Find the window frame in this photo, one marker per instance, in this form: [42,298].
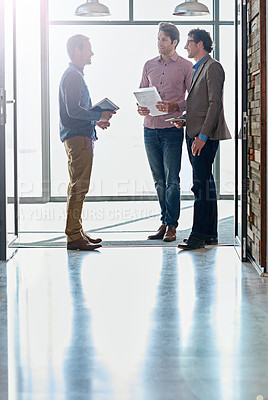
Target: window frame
[45,112]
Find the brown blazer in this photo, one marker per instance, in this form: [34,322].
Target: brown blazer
[204,108]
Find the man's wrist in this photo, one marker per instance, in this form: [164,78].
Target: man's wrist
[203,137]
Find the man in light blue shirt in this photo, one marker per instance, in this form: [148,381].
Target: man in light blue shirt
[77,132]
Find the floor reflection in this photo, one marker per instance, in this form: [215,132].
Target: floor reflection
[121,297]
[161,376]
[200,357]
[134,324]
[83,372]
[39,327]
[3,334]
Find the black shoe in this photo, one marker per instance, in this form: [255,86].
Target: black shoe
[192,244]
[210,241]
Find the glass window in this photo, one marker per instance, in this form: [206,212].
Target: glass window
[120,165]
[227,147]
[62,10]
[227,10]
[29,98]
[163,11]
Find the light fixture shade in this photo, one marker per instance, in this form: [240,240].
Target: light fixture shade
[191,8]
[92,8]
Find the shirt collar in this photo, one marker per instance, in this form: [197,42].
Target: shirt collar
[197,65]
[174,57]
[71,64]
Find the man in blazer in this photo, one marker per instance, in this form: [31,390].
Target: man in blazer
[205,126]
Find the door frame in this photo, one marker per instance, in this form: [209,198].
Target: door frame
[4,253]
[2,140]
[241,241]
[264,158]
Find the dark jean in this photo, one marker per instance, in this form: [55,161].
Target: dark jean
[205,206]
[164,148]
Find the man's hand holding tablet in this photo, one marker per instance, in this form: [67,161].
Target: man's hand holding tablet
[179,122]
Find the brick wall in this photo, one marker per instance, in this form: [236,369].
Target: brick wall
[254,130]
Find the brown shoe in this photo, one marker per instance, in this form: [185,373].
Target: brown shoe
[160,233]
[94,241]
[170,235]
[82,244]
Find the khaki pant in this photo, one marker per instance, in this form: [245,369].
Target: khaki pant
[79,150]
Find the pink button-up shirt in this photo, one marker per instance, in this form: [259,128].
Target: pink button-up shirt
[171,78]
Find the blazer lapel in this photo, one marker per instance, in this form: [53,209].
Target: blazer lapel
[200,69]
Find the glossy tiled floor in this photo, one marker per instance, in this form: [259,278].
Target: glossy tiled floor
[133,324]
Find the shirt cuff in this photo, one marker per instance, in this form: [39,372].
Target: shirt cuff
[203,137]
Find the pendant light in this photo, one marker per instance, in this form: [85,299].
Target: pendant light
[191,8]
[92,8]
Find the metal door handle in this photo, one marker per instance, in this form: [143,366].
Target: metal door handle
[3,104]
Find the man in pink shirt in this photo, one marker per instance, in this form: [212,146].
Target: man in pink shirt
[171,75]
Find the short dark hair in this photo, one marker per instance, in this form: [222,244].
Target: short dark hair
[170,30]
[200,35]
[74,42]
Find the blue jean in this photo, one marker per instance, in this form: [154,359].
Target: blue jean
[164,148]
[205,205]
